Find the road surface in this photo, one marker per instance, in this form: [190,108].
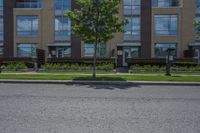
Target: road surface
[43,108]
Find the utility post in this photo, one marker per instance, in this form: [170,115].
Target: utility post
[169,61]
[198,55]
[1,63]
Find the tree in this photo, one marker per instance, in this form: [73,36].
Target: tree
[197,28]
[96,21]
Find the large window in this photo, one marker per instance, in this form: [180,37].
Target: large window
[132,29]
[166,3]
[89,50]
[131,52]
[1,48]
[62,4]
[26,50]
[62,23]
[197,28]
[198,6]
[62,28]
[28,4]
[1,5]
[27,25]
[59,51]
[166,25]
[132,7]
[161,49]
[1,28]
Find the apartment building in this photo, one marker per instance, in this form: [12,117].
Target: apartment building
[154,26]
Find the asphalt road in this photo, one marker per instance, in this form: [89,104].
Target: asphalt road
[34,108]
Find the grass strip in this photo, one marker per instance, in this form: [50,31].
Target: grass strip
[100,77]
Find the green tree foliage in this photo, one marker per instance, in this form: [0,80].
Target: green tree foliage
[197,28]
[96,21]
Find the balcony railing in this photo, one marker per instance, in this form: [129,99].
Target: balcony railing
[28,5]
[166,3]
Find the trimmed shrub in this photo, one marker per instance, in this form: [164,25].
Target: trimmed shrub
[77,67]
[157,68]
[14,67]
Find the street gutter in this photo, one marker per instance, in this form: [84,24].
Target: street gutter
[89,82]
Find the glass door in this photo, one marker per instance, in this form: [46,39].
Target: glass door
[126,55]
[130,52]
[60,52]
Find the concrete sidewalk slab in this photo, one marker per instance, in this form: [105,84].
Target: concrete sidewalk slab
[85,82]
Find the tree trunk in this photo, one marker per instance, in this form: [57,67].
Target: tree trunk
[94,61]
[96,43]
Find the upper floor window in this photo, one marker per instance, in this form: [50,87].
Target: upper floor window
[132,7]
[27,25]
[1,4]
[1,49]
[132,29]
[28,3]
[62,28]
[197,28]
[166,3]
[166,25]
[198,6]
[1,28]
[62,4]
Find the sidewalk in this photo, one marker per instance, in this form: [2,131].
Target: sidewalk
[87,82]
[142,74]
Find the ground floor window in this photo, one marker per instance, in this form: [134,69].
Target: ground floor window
[1,49]
[132,52]
[161,49]
[89,50]
[26,50]
[59,51]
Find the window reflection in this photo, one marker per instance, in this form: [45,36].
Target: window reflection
[166,24]
[161,49]
[27,25]
[89,50]
[26,50]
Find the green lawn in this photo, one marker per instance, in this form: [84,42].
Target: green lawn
[100,77]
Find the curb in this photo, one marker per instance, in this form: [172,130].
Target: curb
[87,82]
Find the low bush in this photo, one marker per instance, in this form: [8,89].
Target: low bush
[14,66]
[76,67]
[157,68]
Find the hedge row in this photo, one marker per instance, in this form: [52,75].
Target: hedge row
[157,68]
[77,67]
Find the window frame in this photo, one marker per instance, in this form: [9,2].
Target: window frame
[60,34]
[131,8]
[31,32]
[164,56]
[132,29]
[1,48]
[99,50]
[171,4]
[33,47]
[170,31]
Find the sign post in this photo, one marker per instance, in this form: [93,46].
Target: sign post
[1,63]
[169,61]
